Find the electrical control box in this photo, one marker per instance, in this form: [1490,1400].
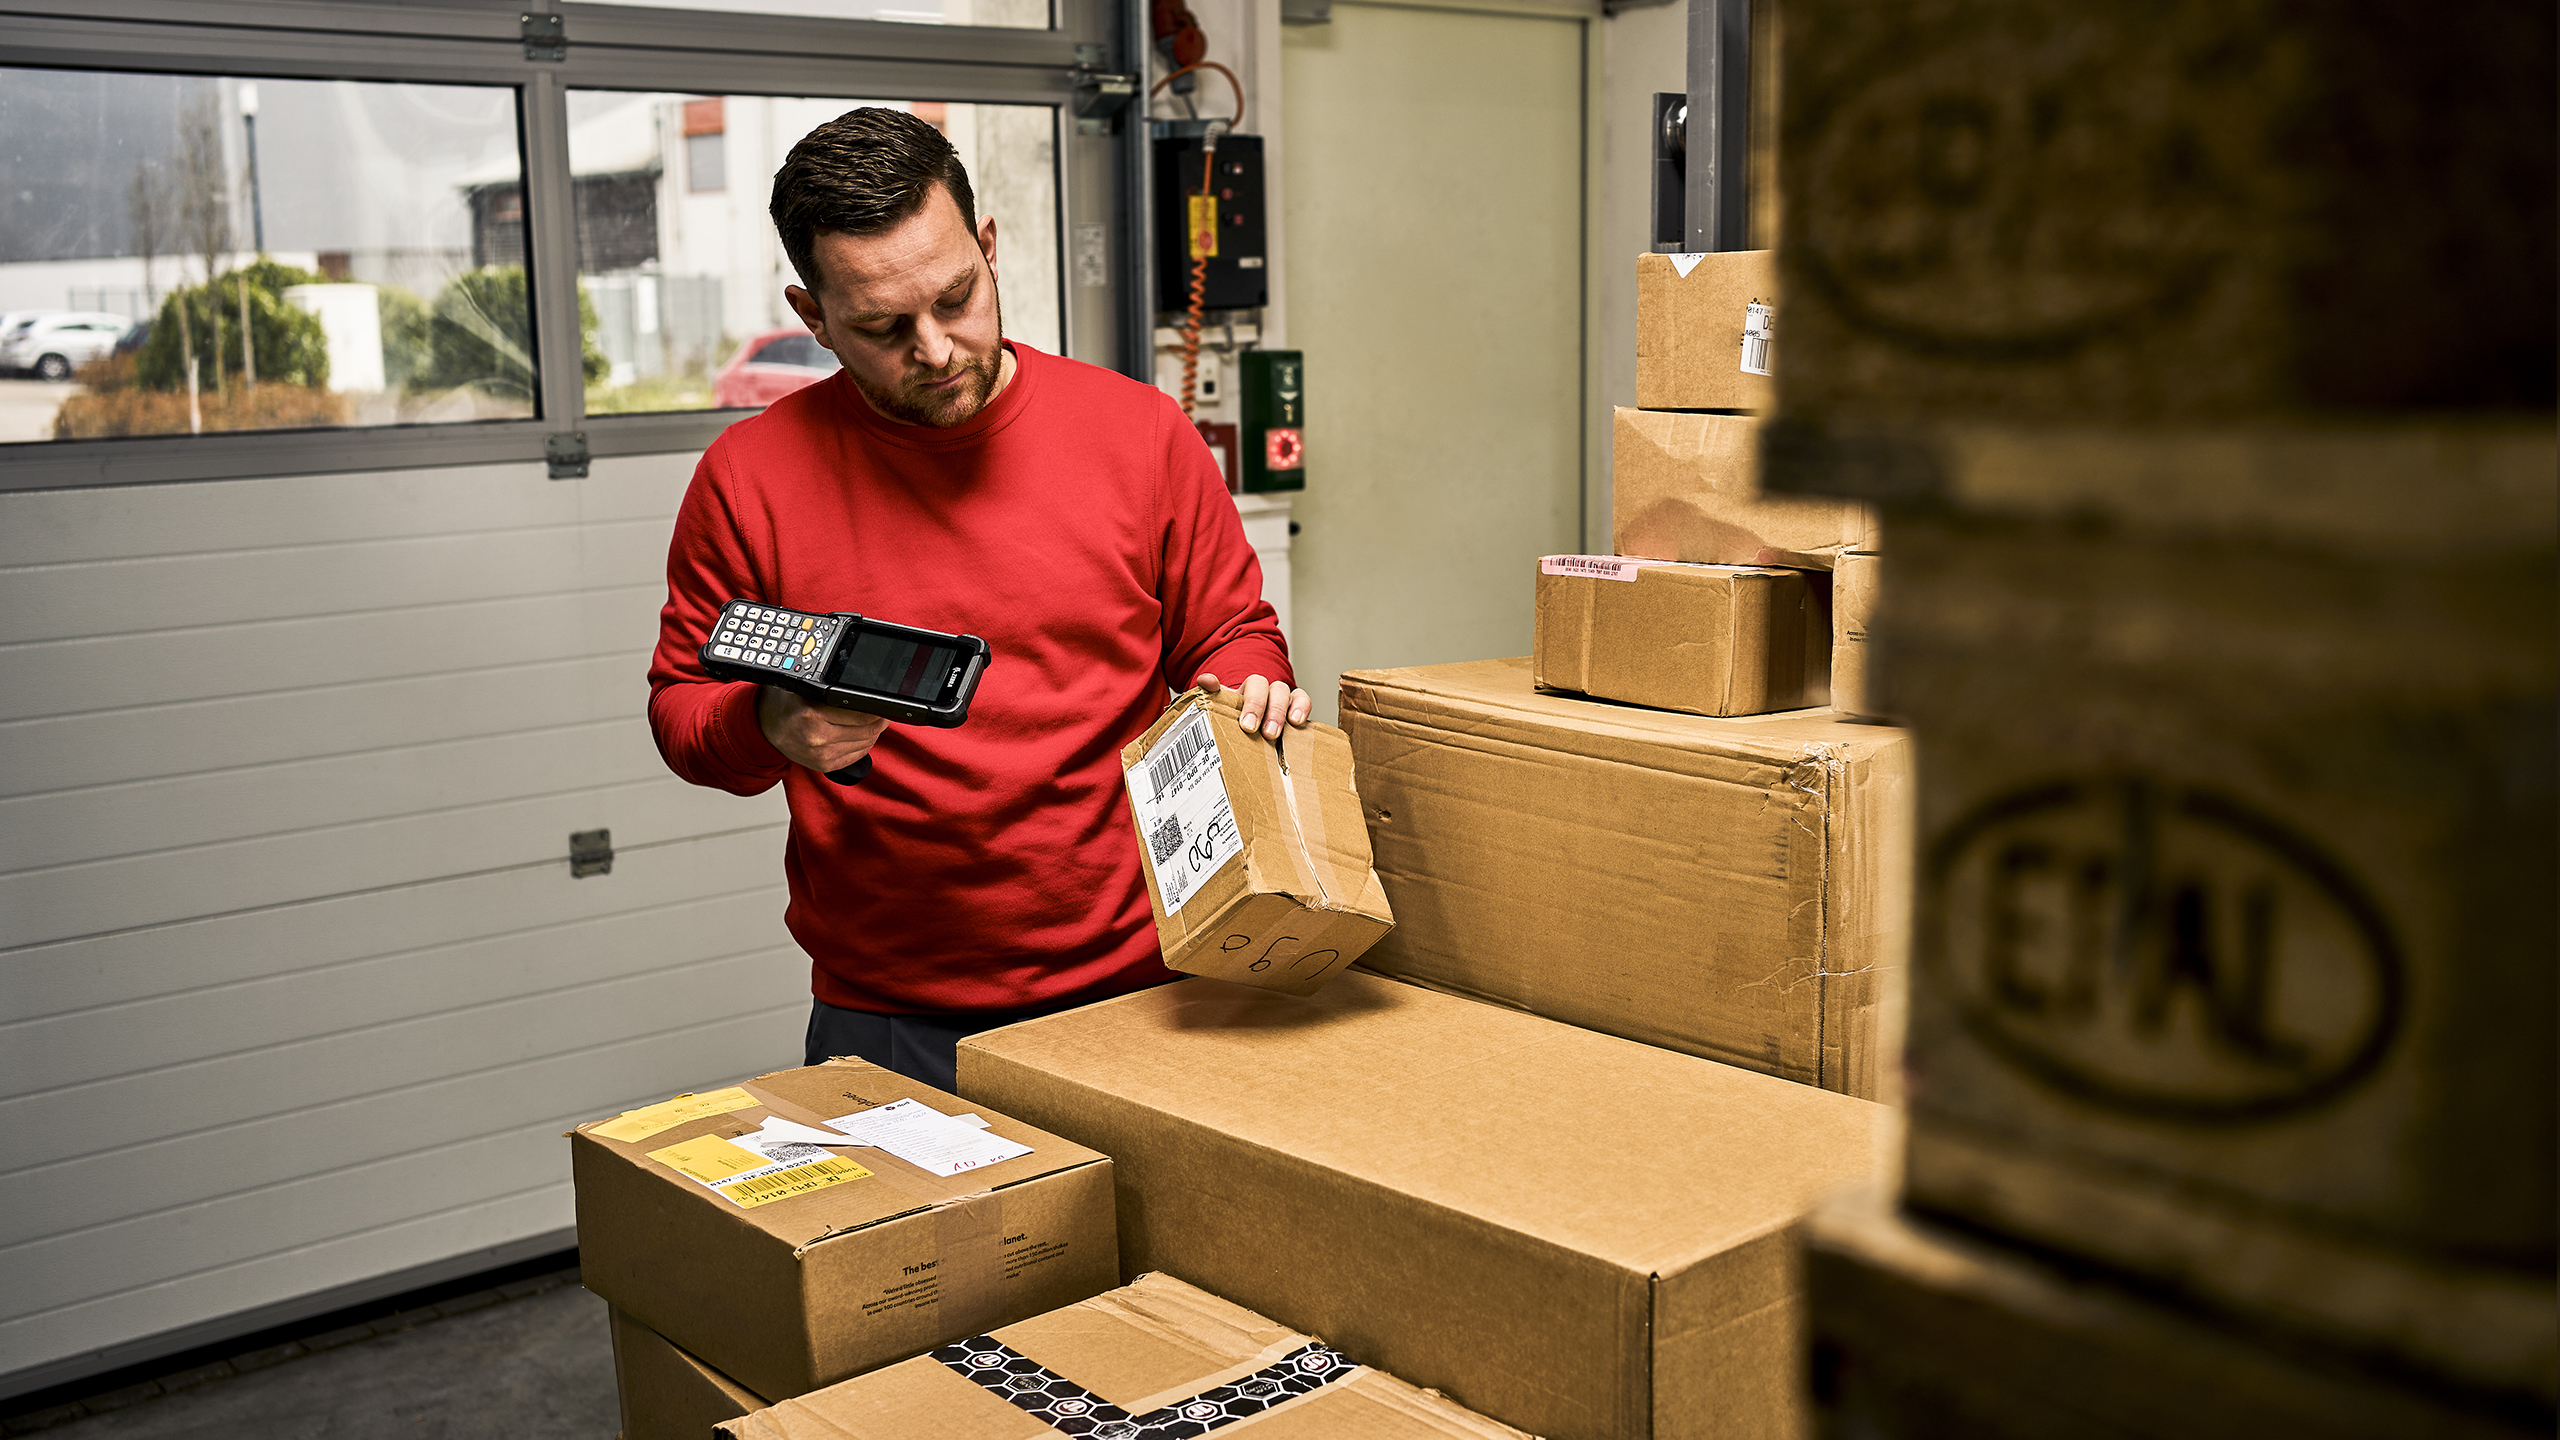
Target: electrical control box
[1219,197]
[1273,388]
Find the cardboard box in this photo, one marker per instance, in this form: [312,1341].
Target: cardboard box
[1706,327]
[837,1272]
[1854,582]
[1919,1332]
[1687,487]
[1731,888]
[666,1393]
[1701,639]
[1256,858]
[1574,1234]
[1957,244]
[1157,1357]
[2232,954]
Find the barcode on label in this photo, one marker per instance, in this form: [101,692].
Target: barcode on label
[1758,329]
[798,1180]
[1166,839]
[1188,742]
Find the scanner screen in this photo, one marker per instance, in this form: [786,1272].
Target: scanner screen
[890,665]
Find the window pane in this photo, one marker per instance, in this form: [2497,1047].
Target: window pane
[681,280]
[367,240]
[1009,14]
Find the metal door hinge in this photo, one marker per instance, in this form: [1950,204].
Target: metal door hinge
[546,36]
[590,853]
[1100,96]
[567,452]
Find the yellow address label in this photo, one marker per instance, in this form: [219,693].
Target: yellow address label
[648,1120]
[709,1159]
[798,1180]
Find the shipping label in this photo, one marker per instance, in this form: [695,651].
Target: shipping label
[772,1164]
[667,1114]
[1179,793]
[1759,330]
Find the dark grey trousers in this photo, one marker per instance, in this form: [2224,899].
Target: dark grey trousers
[920,1047]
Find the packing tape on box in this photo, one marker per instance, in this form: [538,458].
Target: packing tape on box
[1063,1405]
[968,1225]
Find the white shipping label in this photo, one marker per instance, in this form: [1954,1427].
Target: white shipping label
[1180,795]
[1686,261]
[1759,327]
[924,1137]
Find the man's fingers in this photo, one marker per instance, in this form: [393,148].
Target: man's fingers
[1301,707]
[1257,692]
[1207,684]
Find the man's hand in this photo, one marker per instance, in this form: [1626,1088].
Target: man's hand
[1265,703]
[821,737]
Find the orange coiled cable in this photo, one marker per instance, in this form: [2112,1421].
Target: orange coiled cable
[1200,243]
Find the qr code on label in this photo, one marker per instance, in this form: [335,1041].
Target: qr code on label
[1166,839]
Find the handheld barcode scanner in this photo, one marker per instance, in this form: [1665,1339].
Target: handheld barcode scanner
[917,677]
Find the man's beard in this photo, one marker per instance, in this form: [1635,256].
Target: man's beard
[941,409]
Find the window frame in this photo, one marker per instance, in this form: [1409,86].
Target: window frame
[608,47]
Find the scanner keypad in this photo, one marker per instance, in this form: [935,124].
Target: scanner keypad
[780,640]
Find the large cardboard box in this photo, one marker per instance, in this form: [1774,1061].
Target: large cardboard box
[2048,210]
[852,1258]
[1257,861]
[1855,582]
[1701,639]
[1687,487]
[2233,954]
[1574,1234]
[1919,1332]
[666,1393]
[1731,888]
[1706,327]
[1155,1358]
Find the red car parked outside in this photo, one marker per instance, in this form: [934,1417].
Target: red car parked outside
[770,366]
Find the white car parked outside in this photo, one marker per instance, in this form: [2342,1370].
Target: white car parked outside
[55,345]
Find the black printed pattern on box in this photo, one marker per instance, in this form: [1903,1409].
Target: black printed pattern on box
[1070,1409]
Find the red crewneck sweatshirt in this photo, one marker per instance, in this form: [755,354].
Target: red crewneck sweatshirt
[1080,526]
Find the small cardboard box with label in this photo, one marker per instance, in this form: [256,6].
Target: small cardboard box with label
[1703,639]
[812,1224]
[1155,1359]
[1256,854]
[1687,487]
[1706,330]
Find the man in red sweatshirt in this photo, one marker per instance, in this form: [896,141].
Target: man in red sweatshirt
[952,479]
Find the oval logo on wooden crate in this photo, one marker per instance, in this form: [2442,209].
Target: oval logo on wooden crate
[2015,185]
[2162,950]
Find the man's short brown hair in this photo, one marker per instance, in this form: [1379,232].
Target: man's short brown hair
[860,174]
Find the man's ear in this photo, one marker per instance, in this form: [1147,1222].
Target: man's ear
[987,242]
[805,305]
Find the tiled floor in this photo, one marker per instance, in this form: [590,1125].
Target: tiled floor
[529,1360]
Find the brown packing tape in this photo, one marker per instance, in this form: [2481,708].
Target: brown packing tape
[968,1226]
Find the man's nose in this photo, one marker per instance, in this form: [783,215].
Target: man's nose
[933,344]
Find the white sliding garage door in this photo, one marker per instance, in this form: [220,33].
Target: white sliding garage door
[298,987]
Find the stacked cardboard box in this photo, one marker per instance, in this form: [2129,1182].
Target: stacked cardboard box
[1577,1235]
[1731,888]
[2224,614]
[668,1394]
[730,1228]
